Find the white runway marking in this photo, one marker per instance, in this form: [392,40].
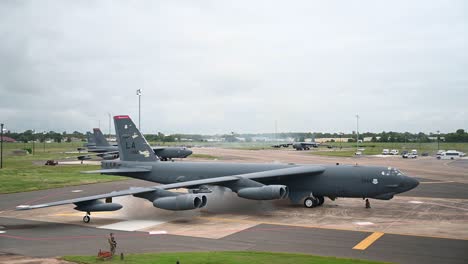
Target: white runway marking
[76,191]
[363,223]
[1,232]
[160,232]
[415,202]
[132,225]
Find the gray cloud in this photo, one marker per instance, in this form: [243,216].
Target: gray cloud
[220,66]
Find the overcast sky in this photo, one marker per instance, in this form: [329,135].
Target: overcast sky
[220,66]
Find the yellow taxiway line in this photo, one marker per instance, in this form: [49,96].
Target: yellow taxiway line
[368,241]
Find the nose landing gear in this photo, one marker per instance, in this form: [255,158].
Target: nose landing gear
[87,217]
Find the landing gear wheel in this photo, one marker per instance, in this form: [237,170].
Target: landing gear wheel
[321,200]
[86,219]
[310,202]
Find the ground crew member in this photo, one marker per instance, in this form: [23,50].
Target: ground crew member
[367,204]
[112,243]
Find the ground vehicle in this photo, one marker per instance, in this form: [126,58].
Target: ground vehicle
[450,154]
[415,152]
[409,155]
[394,152]
[385,152]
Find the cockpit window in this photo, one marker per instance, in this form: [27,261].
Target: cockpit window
[391,172]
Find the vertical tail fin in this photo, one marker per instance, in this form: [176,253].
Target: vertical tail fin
[101,141]
[132,144]
[90,139]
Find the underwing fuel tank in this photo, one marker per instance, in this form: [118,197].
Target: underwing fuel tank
[97,206]
[268,192]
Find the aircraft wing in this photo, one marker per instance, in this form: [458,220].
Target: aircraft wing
[119,170]
[285,172]
[104,155]
[87,198]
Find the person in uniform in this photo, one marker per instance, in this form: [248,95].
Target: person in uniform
[112,243]
[367,203]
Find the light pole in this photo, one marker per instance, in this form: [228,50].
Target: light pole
[438,139]
[138,92]
[357,133]
[1,146]
[43,140]
[109,124]
[34,141]
[341,134]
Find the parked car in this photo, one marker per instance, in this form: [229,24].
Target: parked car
[394,152]
[408,155]
[385,152]
[439,153]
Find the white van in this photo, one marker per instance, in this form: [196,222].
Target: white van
[385,152]
[394,152]
[450,154]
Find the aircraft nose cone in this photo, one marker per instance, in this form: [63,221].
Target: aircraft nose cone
[188,152]
[411,183]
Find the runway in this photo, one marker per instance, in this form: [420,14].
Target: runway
[425,225]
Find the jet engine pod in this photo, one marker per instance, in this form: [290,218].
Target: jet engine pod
[181,202]
[268,192]
[85,157]
[96,206]
[110,156]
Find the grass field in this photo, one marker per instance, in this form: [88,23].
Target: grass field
[243,257]
[27,172]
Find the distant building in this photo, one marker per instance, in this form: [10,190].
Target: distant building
[368,139]
[8,139]
[215,139]
[435,138]
[323,140]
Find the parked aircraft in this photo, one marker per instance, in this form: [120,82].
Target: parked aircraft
[109,152]
[305,145]
[307,184]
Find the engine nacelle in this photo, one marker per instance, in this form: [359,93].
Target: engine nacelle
[181,202]
[268,192]
[97,206]
[110,156]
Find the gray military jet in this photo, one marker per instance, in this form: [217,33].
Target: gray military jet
[109,152]
[91,143]
[307,184]
[305,145]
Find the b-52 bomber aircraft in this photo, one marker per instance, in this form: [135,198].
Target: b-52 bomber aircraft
[304,145]
[109,152]
[307,184]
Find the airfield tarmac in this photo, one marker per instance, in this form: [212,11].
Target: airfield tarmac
[426,225]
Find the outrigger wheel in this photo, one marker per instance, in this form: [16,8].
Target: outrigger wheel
[86,218]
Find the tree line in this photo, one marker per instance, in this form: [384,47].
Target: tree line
[458,136]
